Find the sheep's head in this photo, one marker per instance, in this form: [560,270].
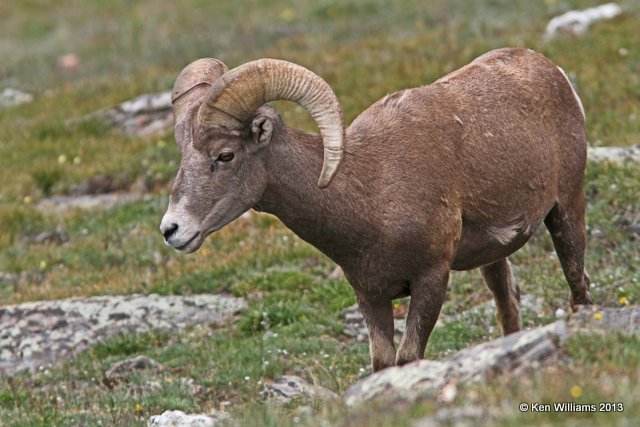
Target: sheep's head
[223,131]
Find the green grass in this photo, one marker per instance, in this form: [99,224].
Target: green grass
[364,49]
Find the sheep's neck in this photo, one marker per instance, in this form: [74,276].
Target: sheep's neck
[330,219]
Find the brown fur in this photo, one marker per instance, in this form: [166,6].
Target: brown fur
[451,176]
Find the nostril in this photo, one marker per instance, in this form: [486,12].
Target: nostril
[170,230]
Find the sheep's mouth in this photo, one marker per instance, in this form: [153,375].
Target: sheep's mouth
[185,247]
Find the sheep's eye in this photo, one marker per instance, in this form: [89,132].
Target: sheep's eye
[225,157]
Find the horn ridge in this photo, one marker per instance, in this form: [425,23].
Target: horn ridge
[233,99]
[193,83]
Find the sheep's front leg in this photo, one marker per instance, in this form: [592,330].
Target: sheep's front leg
[427,296]
[378,314]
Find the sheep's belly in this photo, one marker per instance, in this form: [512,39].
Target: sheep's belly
[482,246]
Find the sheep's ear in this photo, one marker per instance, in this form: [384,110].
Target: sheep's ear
[261,129]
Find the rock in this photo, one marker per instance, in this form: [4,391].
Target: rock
[145,115]
[530,306]
[192,387]
[8,279]
[180,419]
[288,387]
[12,97]
[101,184]
[40,333]
[428,377]
[124,368]
[57,237]
[59,204]
[511,354]
[577,22]
[621,155]
[466,416]
[595,319]
[355,326]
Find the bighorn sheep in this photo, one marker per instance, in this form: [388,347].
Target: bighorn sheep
[451,176]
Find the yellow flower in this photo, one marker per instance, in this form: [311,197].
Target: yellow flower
[597,316]
[43,264]
[288,14]
[62,159]
[623,300]
[576,391]
[27,200]
[138,407]
[77,160]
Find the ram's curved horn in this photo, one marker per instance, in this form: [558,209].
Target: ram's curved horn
[234,98]
[192,84]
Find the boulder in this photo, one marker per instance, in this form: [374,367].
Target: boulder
[510,354]
[59,204]
[428,377]
[619,155]
[145,115]
[290,387]
[355,326]
[119,371]
[10,97]
[577,22]
[180,419]
[36,334]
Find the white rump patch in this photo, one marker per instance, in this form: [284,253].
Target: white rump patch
[575,94]
[505,234]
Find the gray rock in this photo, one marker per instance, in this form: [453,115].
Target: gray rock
[180,419]
[59,204]
[355,326]
[11,97]
[288,387]
[620,155]
[124,368]
[192,387]
[577,22]
[511,354]
[428,377]
[471,415]
[40,333]
[595,319]
[58,237]
[101,184]
[8,279]
[145,115]
[530,306]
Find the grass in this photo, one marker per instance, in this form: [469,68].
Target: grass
[364,49]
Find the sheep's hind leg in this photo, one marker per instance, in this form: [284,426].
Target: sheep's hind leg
[427,296]
[499,279]
[567,228]
[378,314]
